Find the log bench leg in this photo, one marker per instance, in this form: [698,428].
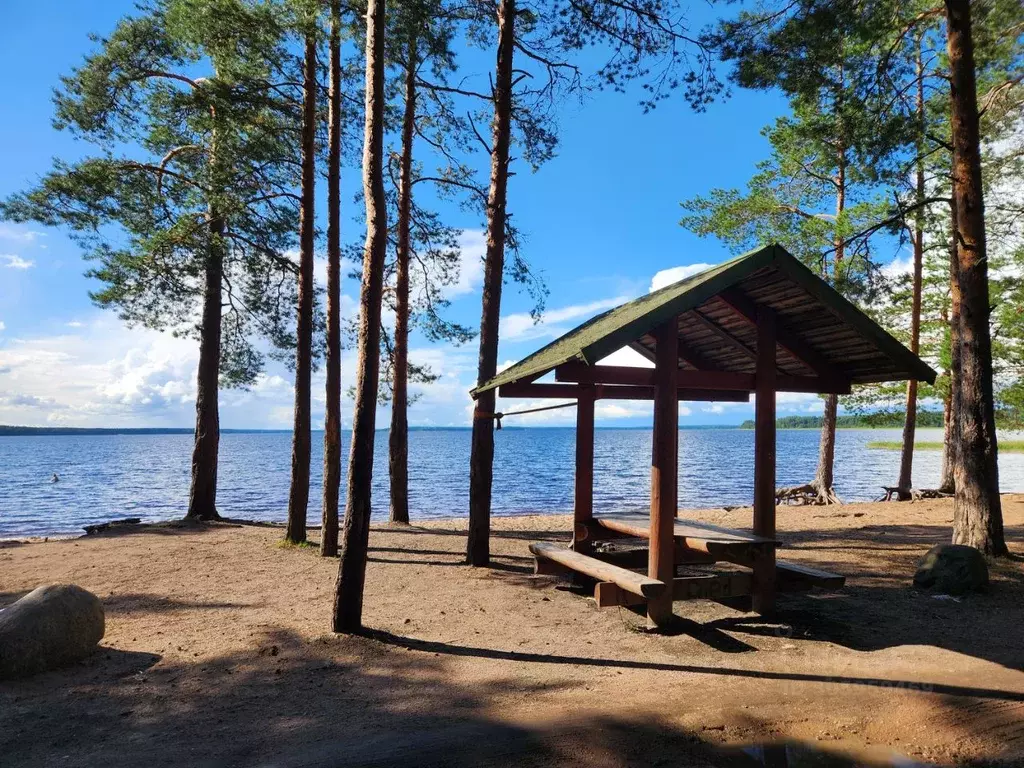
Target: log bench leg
[763,599]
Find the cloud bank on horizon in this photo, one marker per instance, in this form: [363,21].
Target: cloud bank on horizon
[86,368]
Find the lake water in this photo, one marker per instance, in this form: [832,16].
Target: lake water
[147,476]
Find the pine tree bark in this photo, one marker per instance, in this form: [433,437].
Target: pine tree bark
[202,497]
[332,417]
[482,448]
[398,436]
[348,591]
[905,482]
[977,510]
[298,495]
[824,476]
[951,435]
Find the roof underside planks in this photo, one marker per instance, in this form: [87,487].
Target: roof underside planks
[820,333]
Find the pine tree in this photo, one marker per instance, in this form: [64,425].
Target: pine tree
[298,494]
[422,35]
[187,204]
[348,594]
[332,414]
[538,65]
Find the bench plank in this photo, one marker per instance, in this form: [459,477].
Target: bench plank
[804,573]
[638,524]
[630,581]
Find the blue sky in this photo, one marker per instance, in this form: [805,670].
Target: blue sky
[600,222]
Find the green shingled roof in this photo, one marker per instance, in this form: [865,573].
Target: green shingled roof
[618,327]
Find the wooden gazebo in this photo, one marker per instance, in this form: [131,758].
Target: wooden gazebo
[761,323]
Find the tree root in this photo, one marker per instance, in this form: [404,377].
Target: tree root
[914,494]
[810,493]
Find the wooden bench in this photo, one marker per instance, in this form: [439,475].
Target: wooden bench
[630,581]
[794,576]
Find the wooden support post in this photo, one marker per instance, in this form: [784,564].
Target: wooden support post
[664,469]
[584,506]
[764,461]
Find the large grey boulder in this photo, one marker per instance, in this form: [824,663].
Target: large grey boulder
[49,627]
[952,569]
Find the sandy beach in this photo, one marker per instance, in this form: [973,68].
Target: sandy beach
[218,652]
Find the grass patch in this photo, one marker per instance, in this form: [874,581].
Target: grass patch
[1008,446]
[285,544]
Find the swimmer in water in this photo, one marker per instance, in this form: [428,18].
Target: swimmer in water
[54,479]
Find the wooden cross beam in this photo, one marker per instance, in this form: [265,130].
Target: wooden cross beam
[582,373]
[686,354]
[721,333]
[610,392]
[743,306]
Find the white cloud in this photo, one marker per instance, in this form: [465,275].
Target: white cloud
[520,326]
[74,324]
[901,265]
[472,249]
[3,325]
[17,234]
[675,274]
[16,262]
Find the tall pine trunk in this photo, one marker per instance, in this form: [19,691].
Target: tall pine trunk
[202,498]
[977,511]
[478,545]
[348,591]
[905,482]
[332,417]
[298,495]
[398,437]
[824,476]
[951,435]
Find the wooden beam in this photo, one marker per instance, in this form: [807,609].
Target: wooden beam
[622,375]
[583,510]
[543,390]
[579,372]
[721,333]
[813,577]
[764,461]
[611,392]
[695,358]
[742,305]
[664,469]
[636,583]
[684,394]
[710,587]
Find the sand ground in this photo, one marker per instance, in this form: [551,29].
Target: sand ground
[218,652]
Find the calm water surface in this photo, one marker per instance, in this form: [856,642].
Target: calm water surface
[109,476]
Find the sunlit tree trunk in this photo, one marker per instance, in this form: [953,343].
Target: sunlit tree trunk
[905,483]
[398,437]
[332,418]
[298,495]
[951,434]
[482,448]
[202,499]
[348,592]
[977,510]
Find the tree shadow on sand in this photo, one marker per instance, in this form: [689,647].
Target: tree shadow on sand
[335,701]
